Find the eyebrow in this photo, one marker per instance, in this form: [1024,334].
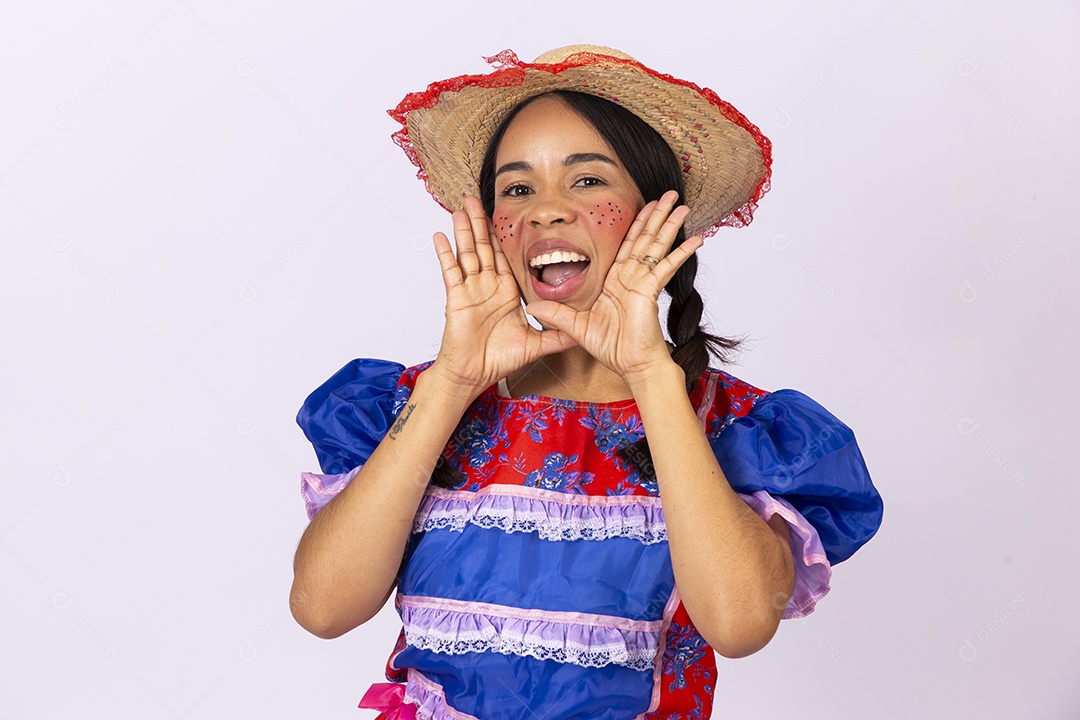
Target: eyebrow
[574,159]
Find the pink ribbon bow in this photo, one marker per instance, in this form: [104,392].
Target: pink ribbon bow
[390,698]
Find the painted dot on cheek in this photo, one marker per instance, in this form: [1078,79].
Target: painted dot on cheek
[503,227]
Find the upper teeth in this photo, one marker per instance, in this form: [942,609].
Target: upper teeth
[556,257]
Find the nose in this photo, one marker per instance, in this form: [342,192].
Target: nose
[549,207]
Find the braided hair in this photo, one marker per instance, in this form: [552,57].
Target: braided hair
[655,170]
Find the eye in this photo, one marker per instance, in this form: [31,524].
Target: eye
[514,190]
[590,181]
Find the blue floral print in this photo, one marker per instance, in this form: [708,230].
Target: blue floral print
[553,475]
[685,649]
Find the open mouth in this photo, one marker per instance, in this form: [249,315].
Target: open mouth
[557,267]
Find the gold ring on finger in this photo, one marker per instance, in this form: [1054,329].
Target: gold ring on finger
[650,259]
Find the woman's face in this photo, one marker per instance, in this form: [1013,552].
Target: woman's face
[559,188]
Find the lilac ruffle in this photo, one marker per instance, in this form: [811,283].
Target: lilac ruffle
[558,516]
[552,515]
[812,568]
[456,628]
[429,699]
[319,490]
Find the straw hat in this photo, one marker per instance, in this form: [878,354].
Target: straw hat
[726,161]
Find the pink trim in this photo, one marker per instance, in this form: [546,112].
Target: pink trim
[506,611]
[419,689]
[707,401]
[661,647]
[812,569]
[397,651]
[318,490]
[545,495]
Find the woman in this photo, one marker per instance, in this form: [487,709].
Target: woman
[546,556]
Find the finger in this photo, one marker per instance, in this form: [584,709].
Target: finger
[654,223]
[658,247]
[451,273]
[480,231]
[666,268]
[466,249]
[555,341]
[635,230]
[556,316]
[502,264]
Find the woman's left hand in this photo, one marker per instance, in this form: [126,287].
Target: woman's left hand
[622,328]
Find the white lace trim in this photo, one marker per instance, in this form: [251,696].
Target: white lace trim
[511,643]
[548,528]
[549,519]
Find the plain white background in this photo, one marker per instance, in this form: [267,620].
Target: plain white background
[203,217]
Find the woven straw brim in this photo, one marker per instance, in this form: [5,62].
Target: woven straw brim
[725,167]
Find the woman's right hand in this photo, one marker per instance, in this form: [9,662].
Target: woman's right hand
[487,335]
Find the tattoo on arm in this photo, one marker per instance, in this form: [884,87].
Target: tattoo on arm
[399,424]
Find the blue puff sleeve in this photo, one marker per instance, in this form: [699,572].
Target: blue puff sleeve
[791,447]
[345,419]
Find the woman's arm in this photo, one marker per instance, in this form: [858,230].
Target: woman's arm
[347,562]
[348,559]
[734,571]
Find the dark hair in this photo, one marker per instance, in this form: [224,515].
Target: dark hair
[655,170]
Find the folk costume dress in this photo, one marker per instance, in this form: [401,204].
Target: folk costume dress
[543,580]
